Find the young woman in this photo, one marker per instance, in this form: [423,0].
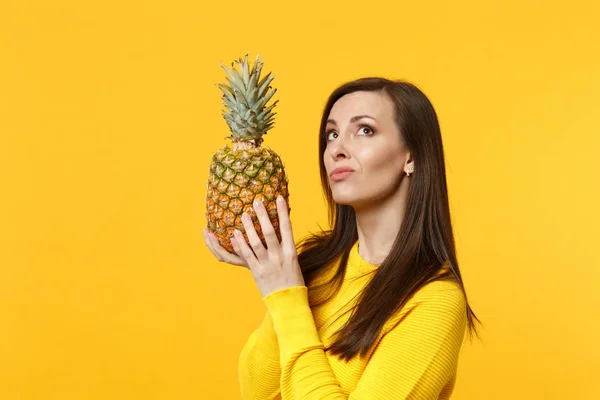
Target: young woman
[374,308]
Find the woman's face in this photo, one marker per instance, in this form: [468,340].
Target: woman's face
[362,136]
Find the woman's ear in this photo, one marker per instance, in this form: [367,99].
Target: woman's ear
[409,164]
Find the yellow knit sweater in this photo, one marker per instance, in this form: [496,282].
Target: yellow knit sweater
[415,357]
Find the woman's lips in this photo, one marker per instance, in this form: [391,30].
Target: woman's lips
[340,175]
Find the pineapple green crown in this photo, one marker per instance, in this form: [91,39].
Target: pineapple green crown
[245,100]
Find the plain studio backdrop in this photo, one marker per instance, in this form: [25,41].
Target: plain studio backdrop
[109,115]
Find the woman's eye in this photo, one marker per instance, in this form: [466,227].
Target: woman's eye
[332,134]
[363,127]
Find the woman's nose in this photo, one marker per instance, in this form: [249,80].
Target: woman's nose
[338,148]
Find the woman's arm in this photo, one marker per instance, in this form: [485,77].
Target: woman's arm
[259,371]
[416,358]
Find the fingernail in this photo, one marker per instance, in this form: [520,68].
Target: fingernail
[257,203]
[280,198]
[245,217]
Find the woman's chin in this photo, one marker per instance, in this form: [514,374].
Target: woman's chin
[344,200]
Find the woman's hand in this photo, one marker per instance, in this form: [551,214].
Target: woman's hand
[220,253]
[275,267]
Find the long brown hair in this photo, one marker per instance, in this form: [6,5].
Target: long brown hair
[425,241]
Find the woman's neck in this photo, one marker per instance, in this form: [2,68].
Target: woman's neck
[378,227]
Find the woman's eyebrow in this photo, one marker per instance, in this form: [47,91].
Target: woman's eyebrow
[353,119]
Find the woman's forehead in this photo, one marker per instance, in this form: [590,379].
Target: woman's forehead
[373,104]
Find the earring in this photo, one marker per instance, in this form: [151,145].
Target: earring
[409,171]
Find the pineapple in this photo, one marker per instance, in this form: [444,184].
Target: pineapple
[244,170]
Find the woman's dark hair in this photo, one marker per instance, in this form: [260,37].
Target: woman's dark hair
[424,243]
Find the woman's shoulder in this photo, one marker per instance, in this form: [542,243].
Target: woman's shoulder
[441,293]
[437,301]
[438,292]
[442,289]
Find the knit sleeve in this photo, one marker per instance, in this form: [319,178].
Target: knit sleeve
[258,365]
[415,358]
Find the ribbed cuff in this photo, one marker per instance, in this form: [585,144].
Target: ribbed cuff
[292,320]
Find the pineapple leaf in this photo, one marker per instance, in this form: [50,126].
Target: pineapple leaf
[267,110]
[235,86]
[228,117]
[238,78]
[246,97]
[230,99]
[259,70]
[230,105]
[241,99]
[229,73]
[269,77]
[252,85]
[244,69]
[269,95]
[264,84]
[225,88]
[265,99]
[254,67]
[254,99]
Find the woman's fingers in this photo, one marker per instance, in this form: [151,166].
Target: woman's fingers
[242,248]
[253,238]
[212,244]
[209,243]
[266,226]
[220,253]
[236,247]
[285,226]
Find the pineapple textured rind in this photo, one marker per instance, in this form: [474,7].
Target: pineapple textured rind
[235,179]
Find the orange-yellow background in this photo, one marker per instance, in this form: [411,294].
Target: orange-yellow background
[108,119]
